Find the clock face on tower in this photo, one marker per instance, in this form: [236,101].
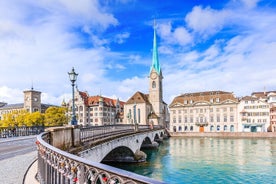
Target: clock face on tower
[153,75]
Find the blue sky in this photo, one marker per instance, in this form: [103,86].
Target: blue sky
[203,45]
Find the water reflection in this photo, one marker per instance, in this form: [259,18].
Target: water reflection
[211,160]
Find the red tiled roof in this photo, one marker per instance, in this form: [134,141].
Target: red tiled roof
[94,100]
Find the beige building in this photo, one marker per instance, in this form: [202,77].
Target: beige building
[32,103]
[96,110]
[210,111]
[149,109]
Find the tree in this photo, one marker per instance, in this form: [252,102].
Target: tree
[34,119]
[55,116]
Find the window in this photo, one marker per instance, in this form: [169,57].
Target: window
[191,101]
[212,119]
[231,109]
[232,128]
[139,119]
[179,119]
[217,100]
[225,128]
[225,118]
[179,128]
[218,128]
[218,118]
[201,119]
[212,100]
[185,101]
[191,128]
[153,84]
[174,119]
[231,118]
[211,109]
[185,119]
[191,119]
[212,128]
[186,128]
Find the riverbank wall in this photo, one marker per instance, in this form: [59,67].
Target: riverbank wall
[225,134]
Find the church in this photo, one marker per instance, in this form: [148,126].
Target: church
[149,109]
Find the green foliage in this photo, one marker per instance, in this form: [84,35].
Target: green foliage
[55,116]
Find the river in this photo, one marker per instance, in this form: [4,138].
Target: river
[210,160]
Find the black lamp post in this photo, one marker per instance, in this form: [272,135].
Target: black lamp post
[73,77]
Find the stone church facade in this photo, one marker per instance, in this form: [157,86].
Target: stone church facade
[149,109]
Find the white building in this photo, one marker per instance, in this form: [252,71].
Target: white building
[254,114]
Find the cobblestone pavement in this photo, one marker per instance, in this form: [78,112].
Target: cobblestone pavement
[12,170]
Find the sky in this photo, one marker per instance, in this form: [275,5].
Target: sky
[227,45]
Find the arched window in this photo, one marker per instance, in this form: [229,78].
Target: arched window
[232,128]
[191,128]
[179,128]
[225,128]
[218,128]
[186,128]
[153,84]
[81,108]
[174,128]
[212,128]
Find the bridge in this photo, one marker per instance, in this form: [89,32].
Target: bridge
[75,154]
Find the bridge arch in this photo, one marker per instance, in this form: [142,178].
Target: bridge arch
[131,144]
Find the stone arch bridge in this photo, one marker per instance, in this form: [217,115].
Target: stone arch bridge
[126,148]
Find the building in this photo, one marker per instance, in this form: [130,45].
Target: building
[32,103]
[209,111]
[272,127]
[254,114]
[149,109]
[97,110]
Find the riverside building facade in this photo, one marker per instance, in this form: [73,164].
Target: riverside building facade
[96,110]
[219,111]
[210,111]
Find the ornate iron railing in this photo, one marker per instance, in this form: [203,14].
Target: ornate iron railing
[59,167]
[20,131]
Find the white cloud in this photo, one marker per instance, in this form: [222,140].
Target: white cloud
[120,38]
[206,21]
[179,36]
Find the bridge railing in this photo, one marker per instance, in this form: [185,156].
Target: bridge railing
[92,133]
[20,131]
[60,167]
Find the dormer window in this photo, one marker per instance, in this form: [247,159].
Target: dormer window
[217,100]
[191,101]
[212,100]
[185,101]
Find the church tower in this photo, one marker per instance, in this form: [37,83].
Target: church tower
[155,83]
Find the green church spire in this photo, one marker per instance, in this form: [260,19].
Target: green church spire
[155,62]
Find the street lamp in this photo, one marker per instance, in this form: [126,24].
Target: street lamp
[73,77]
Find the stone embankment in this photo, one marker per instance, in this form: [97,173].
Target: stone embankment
[225,134]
